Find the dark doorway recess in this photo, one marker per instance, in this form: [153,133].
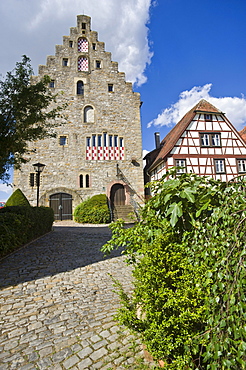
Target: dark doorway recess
[61,203]
[117,195]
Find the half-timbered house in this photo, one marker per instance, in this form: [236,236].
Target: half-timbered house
[204,142]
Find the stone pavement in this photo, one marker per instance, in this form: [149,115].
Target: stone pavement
[57,304]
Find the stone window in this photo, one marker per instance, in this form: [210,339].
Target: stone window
[65,62]
[52,84]
[93,46]
[105,147]
[82,45]
[63,140]
[33,179]
[110,87]
[83,26]
[98,64]
[83,64]
[80,88]
[70,44]
[84,180]
[89,114]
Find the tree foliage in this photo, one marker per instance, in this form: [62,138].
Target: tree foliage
[24,114]
[188,253]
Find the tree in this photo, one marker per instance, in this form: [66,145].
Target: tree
[24,114]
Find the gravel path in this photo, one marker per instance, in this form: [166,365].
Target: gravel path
[57,304]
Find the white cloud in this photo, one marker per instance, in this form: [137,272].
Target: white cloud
[234,107]
[5,192]
[34,27]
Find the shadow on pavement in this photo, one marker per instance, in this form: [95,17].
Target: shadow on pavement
[64,249]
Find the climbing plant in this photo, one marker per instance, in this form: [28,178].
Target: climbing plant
[188,256]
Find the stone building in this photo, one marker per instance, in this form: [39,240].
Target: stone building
[99,148]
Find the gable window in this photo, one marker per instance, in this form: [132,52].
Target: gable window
[93,46]
[208,117]
[80,88]
[219,165]
[210,139]
[98,64]
[63,140]
[110,87]
[65,62]
[82,45]
[241,165]
[89,114]
[83,65]
[70,44]
[181,163]
[83,26]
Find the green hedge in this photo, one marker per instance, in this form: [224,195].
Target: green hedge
[21,224]
[94,210]
[17,199]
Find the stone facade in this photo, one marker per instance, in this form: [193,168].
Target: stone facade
[100,145]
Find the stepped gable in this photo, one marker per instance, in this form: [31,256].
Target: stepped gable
[169,141]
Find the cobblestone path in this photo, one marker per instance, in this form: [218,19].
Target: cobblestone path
[57,304]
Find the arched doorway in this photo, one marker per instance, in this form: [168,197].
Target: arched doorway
[61,203]
[117,195]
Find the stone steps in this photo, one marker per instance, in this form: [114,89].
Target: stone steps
[126,212]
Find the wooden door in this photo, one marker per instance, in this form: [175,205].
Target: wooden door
[61,203]
[117,195]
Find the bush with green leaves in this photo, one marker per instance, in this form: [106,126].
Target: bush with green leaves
[94,210]
[17,198]
[21,224]
[188,255]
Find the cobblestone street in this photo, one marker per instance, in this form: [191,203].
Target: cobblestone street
[57,304]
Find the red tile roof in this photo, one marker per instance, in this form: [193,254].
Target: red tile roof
[242,133]
[170,140]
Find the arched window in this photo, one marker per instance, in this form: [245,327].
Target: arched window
[80,88]
[87,181]
[82,45]
[81,181]
[83,64]
[88,114]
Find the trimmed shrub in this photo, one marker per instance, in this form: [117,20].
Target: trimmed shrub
[21,224]
[94,210]
[17,199]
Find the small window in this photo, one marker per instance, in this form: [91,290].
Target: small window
[33,179]
[88,141]
[93,46]
[52,84]
[219,165]
[208,117]
[98,64]
[65,62]
[87,181]
[121,142]
[83,26]
[116,141]
[241,165]
[181,164]
[105,139]
[110,87]
[70,44]
[80,88]
[94,140]
[110,140]
[88,114]
[210,139]
[63,140]
[81,181]
[99,140]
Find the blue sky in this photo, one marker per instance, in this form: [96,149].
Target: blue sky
[174,51]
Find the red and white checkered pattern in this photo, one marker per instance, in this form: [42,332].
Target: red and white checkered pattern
[106,153]
[100,153]
[82,45]
[88,153]
[82,64]
[122,153]
[94,153]
[116,153]
[111,153]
